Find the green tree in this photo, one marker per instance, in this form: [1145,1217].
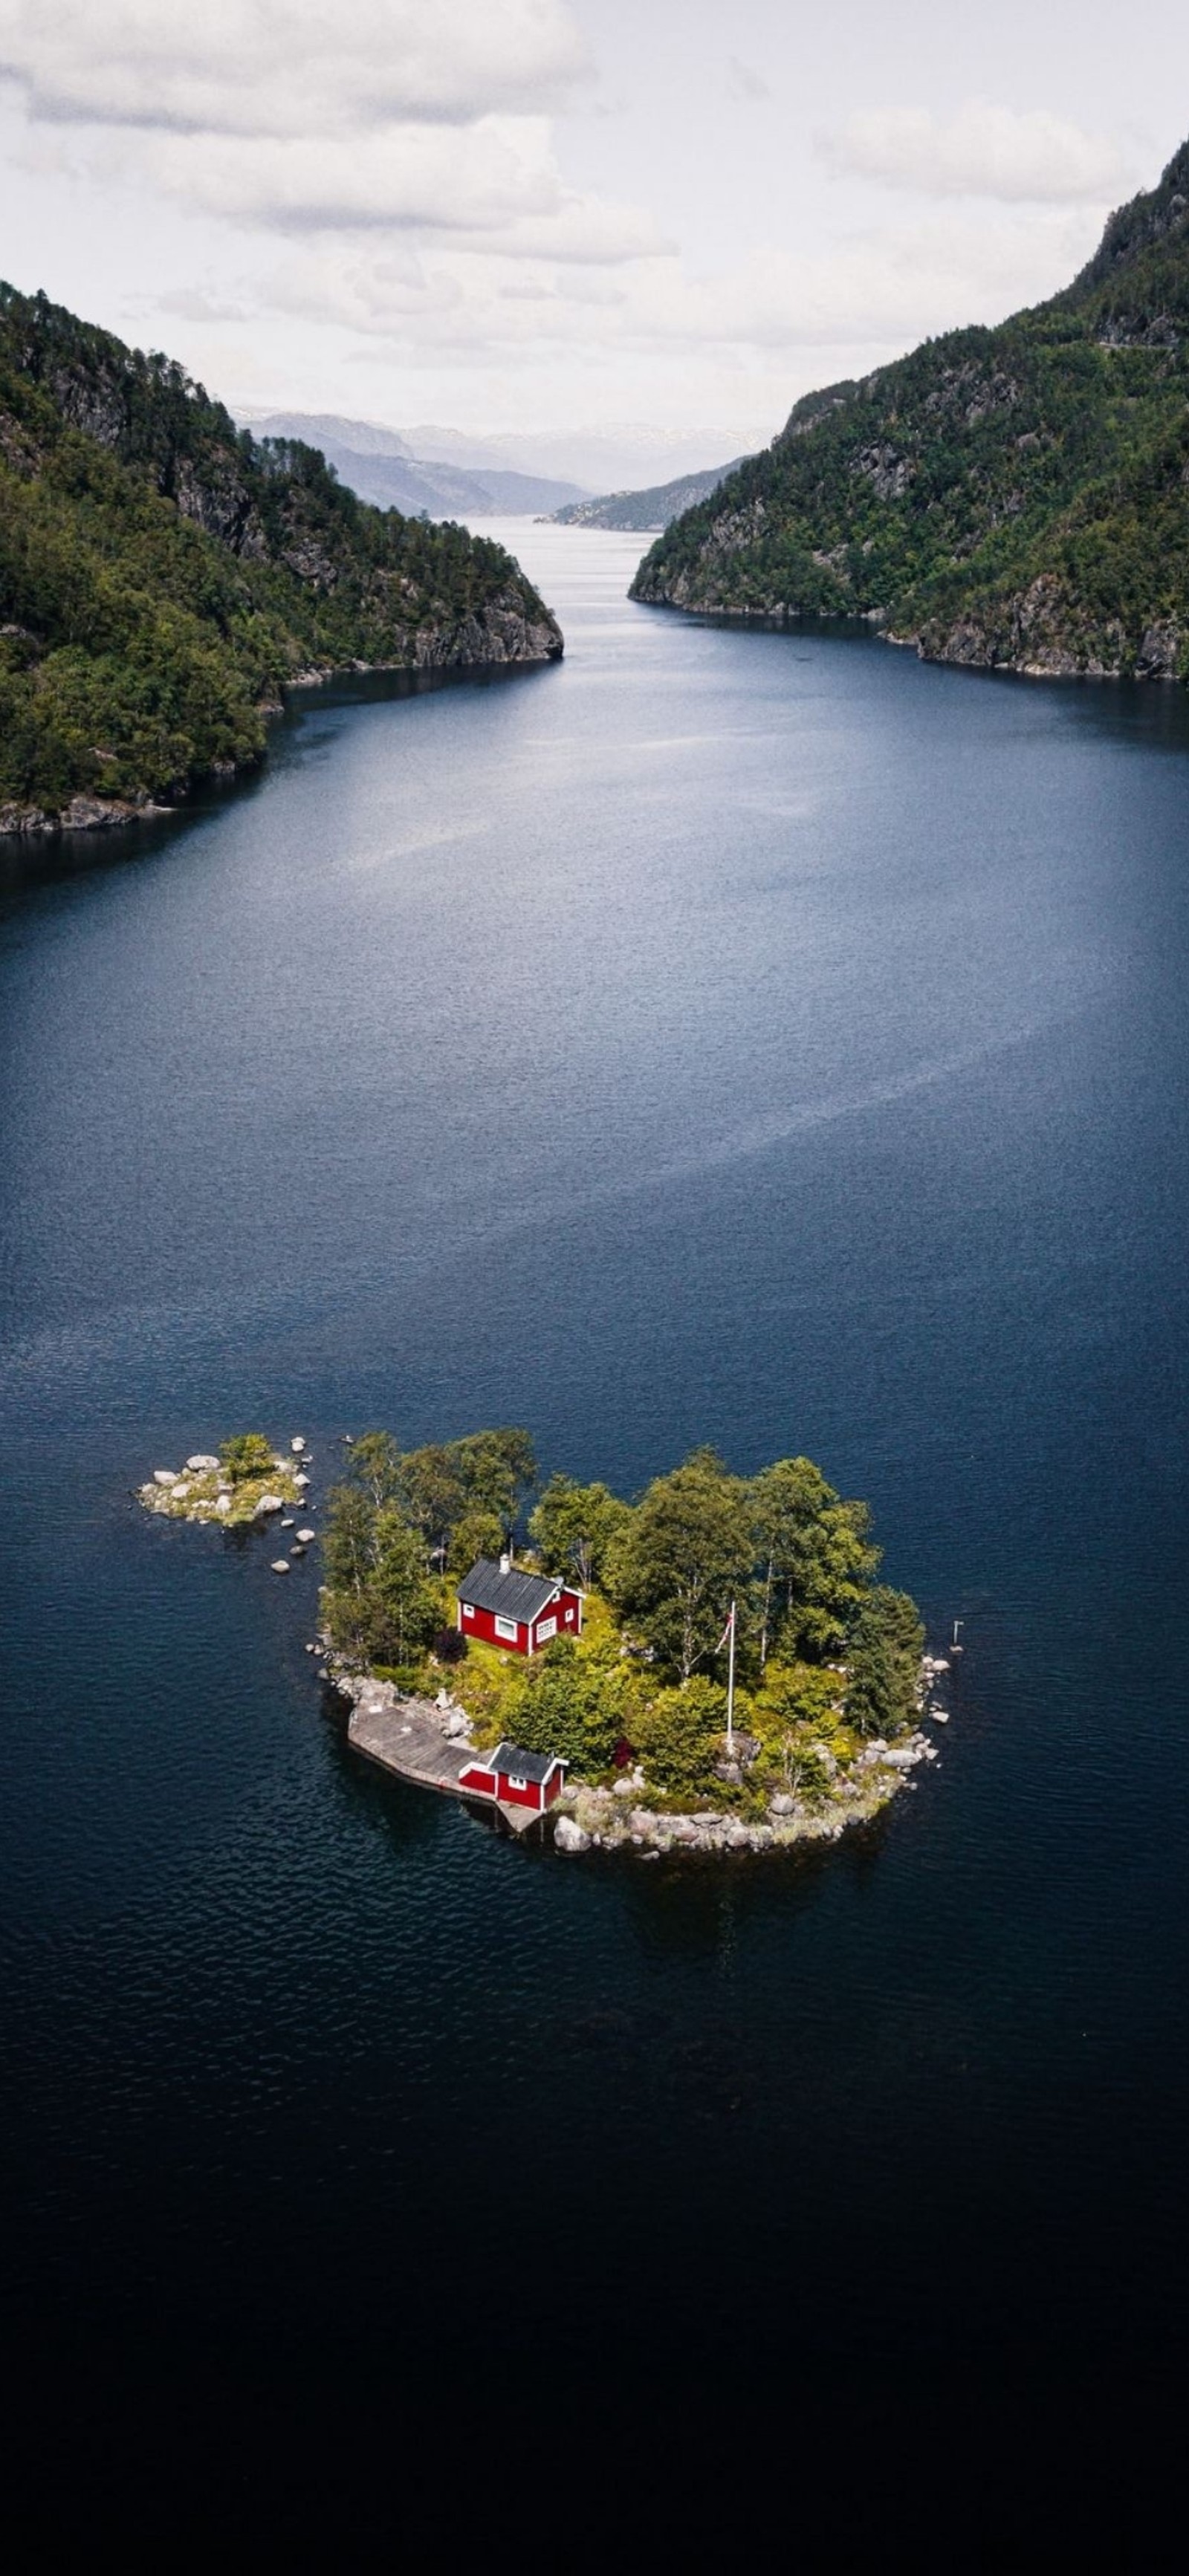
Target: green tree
[576,1705]
[685,1554]
[401,1587]
[678,1736]
[815,1554]
[249,1454]
[496,1470]
[432,1495]
[375,1464]
[883,1654]
[477,1534]
[349,1539]
[575,1526]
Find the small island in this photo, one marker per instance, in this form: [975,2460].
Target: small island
[713,1667]
[736,1678]
[247,1484]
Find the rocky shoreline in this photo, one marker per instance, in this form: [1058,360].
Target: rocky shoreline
[438,1735]
[498,638]
[588,1817]
[204,1491]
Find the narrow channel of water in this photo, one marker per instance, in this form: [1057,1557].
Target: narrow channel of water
[750,1038]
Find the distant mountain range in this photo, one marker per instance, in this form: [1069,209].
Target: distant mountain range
[615,456]
[653,508]
[452,473]
[1014,498]
[382,466]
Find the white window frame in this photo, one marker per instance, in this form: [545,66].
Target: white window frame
[508,1628]
[466,1610]
[515,1781]
[546,1628]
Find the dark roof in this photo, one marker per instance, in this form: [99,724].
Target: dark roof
[512,1595]
[522,1765]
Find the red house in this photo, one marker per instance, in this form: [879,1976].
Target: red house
[520,1612]
[516,1778]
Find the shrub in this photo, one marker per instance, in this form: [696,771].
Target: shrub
[678,1736]
[450,1646]
[249,1454]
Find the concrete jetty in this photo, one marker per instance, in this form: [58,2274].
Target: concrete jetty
[408,1736]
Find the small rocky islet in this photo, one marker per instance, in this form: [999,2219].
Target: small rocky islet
[246,1485]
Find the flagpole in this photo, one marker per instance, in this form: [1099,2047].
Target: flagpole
[731,1688]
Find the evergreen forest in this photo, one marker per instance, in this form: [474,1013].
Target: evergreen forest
[164,575]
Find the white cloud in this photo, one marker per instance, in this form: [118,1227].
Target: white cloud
[441,177]
[287,67]
[280,115]
[877,293]
[982,151]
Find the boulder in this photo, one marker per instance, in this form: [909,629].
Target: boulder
[280,1565]
[569,1836]
[297,1446]
[165,1475]
[222,1502]
[301,1482]
[201,1465]
[307,1536]
[268,1503]
[179,1493]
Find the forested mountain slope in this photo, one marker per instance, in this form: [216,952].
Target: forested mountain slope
[652,508]
[163,575]
[1015,497]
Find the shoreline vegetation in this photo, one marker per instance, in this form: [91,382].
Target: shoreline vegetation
[831,1678]
[166,578]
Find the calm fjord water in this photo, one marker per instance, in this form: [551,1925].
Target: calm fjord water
[750,1038]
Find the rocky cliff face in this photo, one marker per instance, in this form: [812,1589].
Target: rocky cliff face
[163,576]
[1015,498]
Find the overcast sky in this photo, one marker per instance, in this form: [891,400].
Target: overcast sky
[534,213]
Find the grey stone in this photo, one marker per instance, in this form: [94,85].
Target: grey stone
[569,1836]
[280,1565]
[201,1465]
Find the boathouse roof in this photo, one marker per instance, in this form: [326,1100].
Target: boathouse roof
[508,1593]
[512,1758]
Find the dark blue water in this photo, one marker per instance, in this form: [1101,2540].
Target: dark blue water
[750,1038]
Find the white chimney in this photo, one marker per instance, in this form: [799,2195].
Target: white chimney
[505,1565]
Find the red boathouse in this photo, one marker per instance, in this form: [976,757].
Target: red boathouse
[514,1778]
[520,1612]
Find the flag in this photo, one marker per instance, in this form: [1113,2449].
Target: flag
[727,1630]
